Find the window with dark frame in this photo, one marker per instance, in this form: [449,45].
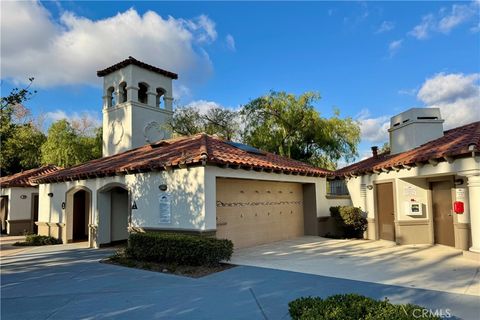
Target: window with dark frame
[337,188]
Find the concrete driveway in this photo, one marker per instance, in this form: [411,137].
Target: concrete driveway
[68,282]
[413,266]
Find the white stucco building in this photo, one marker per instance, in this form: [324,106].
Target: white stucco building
[199,184]
[204,185]
[19,201]
[426,190]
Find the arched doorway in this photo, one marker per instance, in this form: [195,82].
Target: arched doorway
[80,216]
[78,207]
[113,202]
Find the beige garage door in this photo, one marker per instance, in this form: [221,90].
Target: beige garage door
[251,212]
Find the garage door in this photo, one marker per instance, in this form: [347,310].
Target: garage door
[251,212]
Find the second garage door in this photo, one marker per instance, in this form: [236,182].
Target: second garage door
[251,212]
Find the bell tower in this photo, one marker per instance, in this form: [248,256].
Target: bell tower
[137,105]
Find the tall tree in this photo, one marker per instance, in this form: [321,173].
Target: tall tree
[290,126]
[66,147]
[219,121]
[20,139]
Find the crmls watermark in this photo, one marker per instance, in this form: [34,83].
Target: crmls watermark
[420,313]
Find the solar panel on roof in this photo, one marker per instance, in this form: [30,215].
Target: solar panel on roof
[245,147]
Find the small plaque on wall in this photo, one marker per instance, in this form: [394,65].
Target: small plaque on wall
[409,191]
[165,208]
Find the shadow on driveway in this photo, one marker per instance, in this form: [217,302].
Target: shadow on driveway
[71,284]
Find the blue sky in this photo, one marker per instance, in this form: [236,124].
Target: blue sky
[369,59]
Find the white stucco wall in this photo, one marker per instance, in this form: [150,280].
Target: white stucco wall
[184,185]
[18,208]
[193,197]
[416,180]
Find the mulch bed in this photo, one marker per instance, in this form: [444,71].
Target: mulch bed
[188,271]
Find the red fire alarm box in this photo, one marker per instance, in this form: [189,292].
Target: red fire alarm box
[458,207]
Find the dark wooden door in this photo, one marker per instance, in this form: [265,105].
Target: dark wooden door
[79,216]
[385,211]
[34,212]
[442,213]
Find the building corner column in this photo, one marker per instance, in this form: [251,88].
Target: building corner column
[474,204]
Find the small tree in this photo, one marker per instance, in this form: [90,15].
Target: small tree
[189,120]
[351,219]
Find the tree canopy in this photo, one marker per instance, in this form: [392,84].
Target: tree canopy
[24,145]
[279,122]
[290,126]
[65,147]
[189,120]
[19,137]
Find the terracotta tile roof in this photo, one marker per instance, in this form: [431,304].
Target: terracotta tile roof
[455,143]
[132,60]
[200,149]
[25,178]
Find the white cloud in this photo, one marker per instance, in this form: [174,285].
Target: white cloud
[408,92]
[394,46]
[476,28]
[84,121]
[459,14]
[421,31]
[230,40]
[385,27]
[445,20]
[456,94]
[203,106]
[71,50]
[373,129]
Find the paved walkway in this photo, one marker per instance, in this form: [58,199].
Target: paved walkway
[68,282]
[6,245]
[414,266]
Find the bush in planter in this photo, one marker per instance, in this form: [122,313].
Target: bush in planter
[351,219]
[36,240]
[354,307]
[178,248]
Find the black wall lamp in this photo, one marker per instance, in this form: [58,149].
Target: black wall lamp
[369,187]
[458,182]
[23,196]
[50,194]
[163,187]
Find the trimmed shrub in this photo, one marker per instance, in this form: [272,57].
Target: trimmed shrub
[351,219]
[354,307]
[177,248]
[36,240]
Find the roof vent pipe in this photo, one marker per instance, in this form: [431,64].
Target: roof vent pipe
[375,151]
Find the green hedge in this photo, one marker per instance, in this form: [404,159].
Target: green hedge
[354,307]
[178,248]
[350,219]
[36,240]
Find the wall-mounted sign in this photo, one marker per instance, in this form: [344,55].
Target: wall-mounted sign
[165,208]
[460,194]
[409,191]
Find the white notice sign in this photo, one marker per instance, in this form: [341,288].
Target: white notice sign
[165,208]
[460,194]
[409,191]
